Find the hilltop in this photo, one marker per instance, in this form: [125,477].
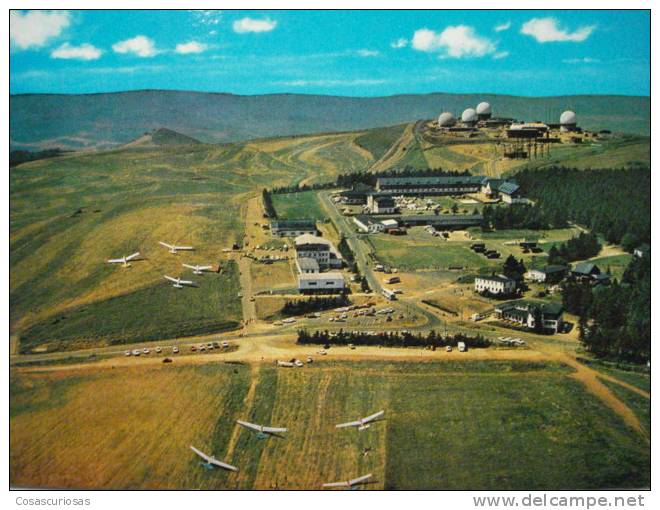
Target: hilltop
[40,121]
[163,137]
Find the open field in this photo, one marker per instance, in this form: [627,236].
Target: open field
[448,425]
[616,264]
[419,250]
[639,404]
[157,311]
[295,206]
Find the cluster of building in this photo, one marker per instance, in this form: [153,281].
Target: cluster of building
[481,117]
[381,199]
[584,272]
[394,225]
[316,257]
[526,313]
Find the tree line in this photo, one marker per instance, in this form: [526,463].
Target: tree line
[391,339]
[267,200]
[615,321]
[313,304]
[350,180]
[613,202]
[349,257]
[518,216]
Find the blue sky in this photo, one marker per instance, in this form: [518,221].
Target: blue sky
[357,53]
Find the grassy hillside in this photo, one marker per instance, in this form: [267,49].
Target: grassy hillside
[448,425]
[40,121]
[70,213]
[157,311]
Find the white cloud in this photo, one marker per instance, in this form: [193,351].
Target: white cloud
[85,51]
[500,55]
[399,43]
[206,17]
[190,47]
[583,60]
[368,53]
[455,41]
[247,25]
[548,30]
[502,27]
[33,29]
[139,45]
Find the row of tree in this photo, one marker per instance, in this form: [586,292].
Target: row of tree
[583,246]
[390,339]
[267,200]
[313,304]
[615,202]
[349,257]
[350,180]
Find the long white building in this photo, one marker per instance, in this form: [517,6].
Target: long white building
[499,284]
[321,283]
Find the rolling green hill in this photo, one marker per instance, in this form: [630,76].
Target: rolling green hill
[39,121]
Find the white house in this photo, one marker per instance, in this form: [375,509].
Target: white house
[321,283]
[548,274]
[390,223]
[499,284]
[322,250]
[525,313]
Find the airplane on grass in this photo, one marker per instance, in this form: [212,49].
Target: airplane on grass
[198,269]
[210,462]
[263,432]
[173,248]
[362,423]
[178,282]
[124,260]
[349,483]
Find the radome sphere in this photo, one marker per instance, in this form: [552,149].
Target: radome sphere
[469,116]
[446,119]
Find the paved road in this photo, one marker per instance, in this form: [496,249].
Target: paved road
[353,239]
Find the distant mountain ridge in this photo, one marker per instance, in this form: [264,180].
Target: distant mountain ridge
[104,120]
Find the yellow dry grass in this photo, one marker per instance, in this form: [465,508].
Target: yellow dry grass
[138,230]
[273,276]
[126,428]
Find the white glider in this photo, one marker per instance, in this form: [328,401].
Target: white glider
[349,483]
[173,248]
[362,423]
[198,269]
[178,282]
[124,260]
[212,461]
[261,428]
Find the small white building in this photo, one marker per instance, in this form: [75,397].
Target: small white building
[321,283]
[548,274]
[499,284]
[367,224]
[390,223]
